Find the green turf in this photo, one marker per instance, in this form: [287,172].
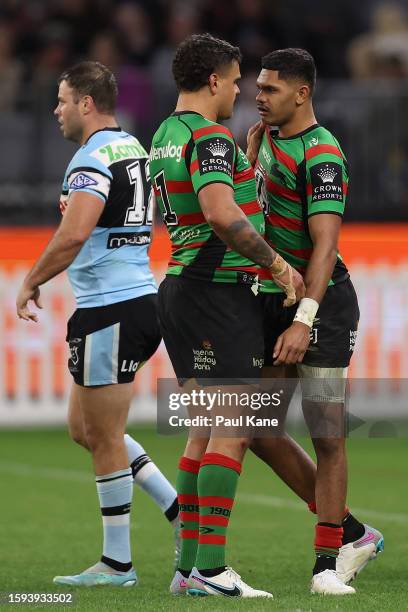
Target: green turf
[50,524]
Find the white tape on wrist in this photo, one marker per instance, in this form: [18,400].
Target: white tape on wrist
[306,311]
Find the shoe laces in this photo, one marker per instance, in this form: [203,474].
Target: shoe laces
[232,573]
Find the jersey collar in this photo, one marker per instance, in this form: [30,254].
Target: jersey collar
[105,129]
[185,112]
[275,133]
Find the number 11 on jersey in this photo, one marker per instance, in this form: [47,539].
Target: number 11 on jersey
[139,213]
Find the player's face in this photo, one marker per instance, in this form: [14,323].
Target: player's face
[228,90]
[276,99]
[68,113]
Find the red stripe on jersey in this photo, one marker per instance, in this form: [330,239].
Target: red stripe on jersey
[173,262]
[194,166]
[215,500]
[309,189]
[284,222]
[192,245]
[156,191]
[187,498]
[211,129]
[245,175]
[319,149]
[211,539]
[281,156]
[281,191]
[179,186]
[251,208]
[191,219]
[301,253]
[220,521]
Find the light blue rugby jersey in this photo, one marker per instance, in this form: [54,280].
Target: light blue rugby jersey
[113,264]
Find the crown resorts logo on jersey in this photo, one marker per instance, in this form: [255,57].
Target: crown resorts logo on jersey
[218,148]
[82,180]
[327,182]
[327,174]
[169,150]
[215,155]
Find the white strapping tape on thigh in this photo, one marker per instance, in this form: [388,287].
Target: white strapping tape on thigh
[322,384]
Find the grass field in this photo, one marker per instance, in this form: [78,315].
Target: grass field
[50,524]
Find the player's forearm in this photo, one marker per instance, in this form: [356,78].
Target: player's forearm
[58,255]
[242,237]
[319,271]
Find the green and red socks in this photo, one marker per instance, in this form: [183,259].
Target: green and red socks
[186,485]
[352,528]
[216,485]
[328,540]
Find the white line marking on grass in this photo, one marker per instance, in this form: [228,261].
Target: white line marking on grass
[287,504]
[23,469]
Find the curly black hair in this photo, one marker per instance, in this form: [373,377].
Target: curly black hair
[292,63]
[95,80]
[198,56]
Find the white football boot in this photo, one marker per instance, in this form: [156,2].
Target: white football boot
[227,584]
[328,583]
[353,557]
[178,585]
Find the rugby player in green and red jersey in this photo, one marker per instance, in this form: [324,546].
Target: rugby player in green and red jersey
[211,318]
[302,180]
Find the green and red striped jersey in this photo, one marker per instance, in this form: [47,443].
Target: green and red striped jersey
[298,177]
[189,152]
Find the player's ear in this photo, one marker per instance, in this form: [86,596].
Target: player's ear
[213,80]
[302,94]
[86,104]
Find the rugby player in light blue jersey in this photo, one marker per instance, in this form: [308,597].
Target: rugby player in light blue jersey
[103,242]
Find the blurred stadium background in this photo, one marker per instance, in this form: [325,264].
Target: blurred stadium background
[361,51]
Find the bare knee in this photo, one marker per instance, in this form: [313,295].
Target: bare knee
[329,447]
[77,435]
[103,441]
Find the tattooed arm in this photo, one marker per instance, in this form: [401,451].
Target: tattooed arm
[232,226]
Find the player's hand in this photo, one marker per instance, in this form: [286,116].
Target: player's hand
[26,294]
[292,283]
[291,346]
[254,139]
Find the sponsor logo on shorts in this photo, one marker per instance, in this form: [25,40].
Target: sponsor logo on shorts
[204,359]
[115,241]
[313,335]
[74,355]
[257,362]
[129,367]
[353,339]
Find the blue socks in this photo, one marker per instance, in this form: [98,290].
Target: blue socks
[115,497]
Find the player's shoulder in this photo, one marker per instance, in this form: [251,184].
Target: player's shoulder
[108,147]
[319,140]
